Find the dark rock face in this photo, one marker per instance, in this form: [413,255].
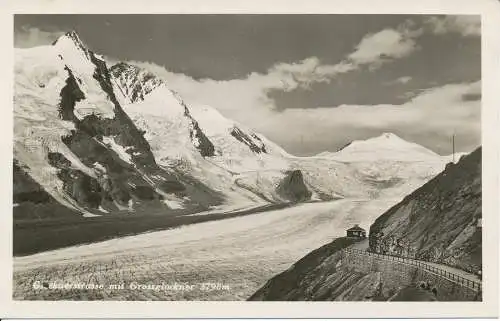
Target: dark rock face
[249,140]
[293,188]
[136,83]
[32,201]
[343,147]
[25,189]
[70,94]
[414,294]
[198,137]
[144,192]
[440,221]
[79,186]
[203,144]
[421,292]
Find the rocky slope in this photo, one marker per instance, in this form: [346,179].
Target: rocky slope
[440,221]
[319,277]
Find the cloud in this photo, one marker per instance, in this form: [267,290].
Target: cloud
[404,79]
[466,25]
[27,37]
[400,80]
[382,46]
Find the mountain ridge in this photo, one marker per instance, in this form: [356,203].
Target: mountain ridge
[118,140]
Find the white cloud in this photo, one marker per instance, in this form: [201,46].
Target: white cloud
[27,37]
[403,80]
[383,45]
[467,25]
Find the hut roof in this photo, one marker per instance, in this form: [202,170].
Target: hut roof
[356,228]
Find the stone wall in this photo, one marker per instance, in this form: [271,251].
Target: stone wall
[396,274]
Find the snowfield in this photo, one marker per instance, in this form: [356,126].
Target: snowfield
[236,255]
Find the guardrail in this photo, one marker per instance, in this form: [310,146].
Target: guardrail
[476,286]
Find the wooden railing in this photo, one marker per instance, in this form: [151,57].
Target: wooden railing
[476,286]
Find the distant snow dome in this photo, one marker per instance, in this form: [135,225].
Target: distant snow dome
[387,146]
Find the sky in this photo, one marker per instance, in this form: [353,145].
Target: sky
[310,83]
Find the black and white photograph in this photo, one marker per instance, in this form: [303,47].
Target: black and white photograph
[247,157]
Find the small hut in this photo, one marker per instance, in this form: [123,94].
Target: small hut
[356,231]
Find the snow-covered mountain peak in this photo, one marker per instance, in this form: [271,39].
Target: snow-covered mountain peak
[386,139]
[383,147]
[389,136]
[73,36]
[71,44]
[212,120]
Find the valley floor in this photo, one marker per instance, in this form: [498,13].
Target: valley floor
[219,260]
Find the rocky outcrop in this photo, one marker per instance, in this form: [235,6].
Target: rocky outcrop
[135,82]
[293,188]
[198,137]
[439,222]
[253,141]
[70,95]
[421,292]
